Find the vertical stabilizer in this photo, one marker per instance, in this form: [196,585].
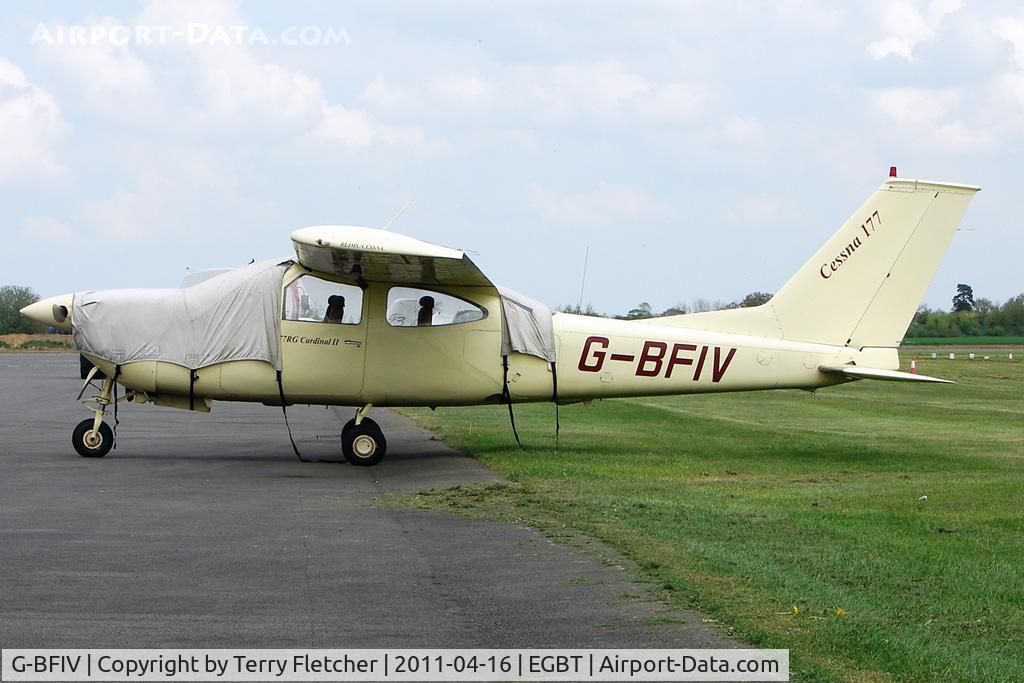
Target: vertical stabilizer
[862,288]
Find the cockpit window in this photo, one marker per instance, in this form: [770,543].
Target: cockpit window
[410,307]
[311,299]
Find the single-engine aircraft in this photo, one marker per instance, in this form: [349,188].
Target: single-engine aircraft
[364,317]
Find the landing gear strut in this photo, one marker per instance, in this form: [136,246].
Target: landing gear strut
[362,441]
[93,438]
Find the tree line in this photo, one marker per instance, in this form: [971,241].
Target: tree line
[971,317]
[13,298]
[968,316]
[698,305]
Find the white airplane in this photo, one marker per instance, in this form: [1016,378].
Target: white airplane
[364,317]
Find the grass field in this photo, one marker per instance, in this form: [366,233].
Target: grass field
[36,342]
[797,520]
[964,341]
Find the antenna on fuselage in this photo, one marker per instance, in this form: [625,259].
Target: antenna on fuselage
[397,215]
[583,283]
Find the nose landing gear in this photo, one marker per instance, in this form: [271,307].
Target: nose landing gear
[90,441]
[92,437]
[362,441]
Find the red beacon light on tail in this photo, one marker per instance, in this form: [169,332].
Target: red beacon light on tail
[892,172]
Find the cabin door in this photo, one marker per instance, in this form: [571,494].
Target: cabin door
[323,341]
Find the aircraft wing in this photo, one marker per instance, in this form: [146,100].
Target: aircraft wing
[854,372]
[381,256]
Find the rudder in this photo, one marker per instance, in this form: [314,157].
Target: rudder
[863,286]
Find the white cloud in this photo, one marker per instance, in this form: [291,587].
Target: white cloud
[761,209]
[674,102]
[130,215]
[817,16]
[601,89]
[113,79]
[233,86]
[608,89]
[237,89]
[569,90]
[357,130]
[181,12]
[172,195]
[383,95]
[907,106]
[174,82]
[1010,87]
[49,230]
[464,90]
[241,89]
[1012,30]
[740,130]
[928,116]
[30,125]
[907,26]
[609,204]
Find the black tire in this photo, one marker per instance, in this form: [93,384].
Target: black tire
[88,449]
[348,425]
[364,444]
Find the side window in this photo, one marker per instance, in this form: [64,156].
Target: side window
[409,307]
[310,299]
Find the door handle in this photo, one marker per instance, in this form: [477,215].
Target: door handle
[353,342]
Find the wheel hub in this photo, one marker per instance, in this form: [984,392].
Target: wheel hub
[364,446]
[93,439]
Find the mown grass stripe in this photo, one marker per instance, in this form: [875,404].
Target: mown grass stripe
[897,504]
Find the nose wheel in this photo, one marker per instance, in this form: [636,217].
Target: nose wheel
[364,443]
[92,442]
[93,438]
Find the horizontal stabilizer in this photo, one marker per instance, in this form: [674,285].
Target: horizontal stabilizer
[853,372]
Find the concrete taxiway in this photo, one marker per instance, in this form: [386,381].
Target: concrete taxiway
[205,531]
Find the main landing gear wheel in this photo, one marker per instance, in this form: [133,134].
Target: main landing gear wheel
[363,444]
[92,444]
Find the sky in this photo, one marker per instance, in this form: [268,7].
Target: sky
[697,149]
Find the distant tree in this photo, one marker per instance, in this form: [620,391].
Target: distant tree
[754,299]
[967,324]
[1013,315]
[677,309]
[641,311]
[983,305]
[12,299]
[703,305]
[963,300]
[984,318]
[578,310]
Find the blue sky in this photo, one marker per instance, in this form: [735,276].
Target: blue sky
[698,149]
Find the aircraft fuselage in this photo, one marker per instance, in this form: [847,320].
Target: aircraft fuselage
[460,364]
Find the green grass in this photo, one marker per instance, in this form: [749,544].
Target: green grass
[964,341]
[745,506]
[45,344]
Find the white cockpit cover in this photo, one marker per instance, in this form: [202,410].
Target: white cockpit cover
[526,326]
[233,316]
